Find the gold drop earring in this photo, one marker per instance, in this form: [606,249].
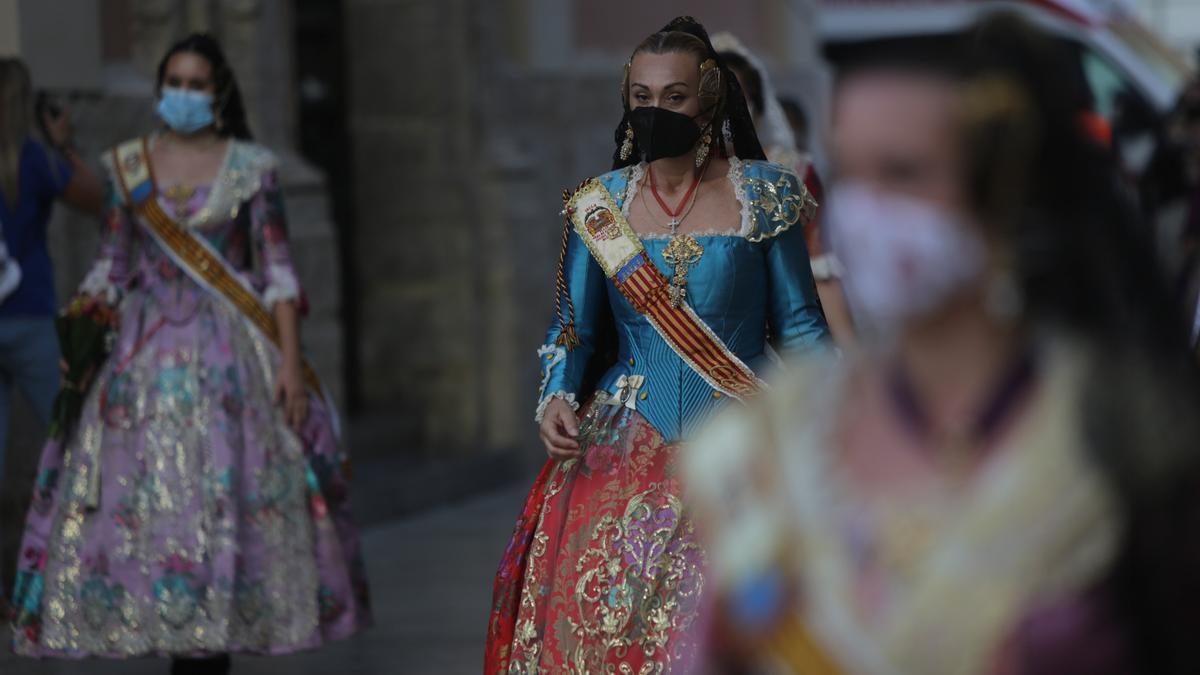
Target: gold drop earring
[702,151]
[627,146]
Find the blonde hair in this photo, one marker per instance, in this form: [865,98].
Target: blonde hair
[712,90]
[16,122]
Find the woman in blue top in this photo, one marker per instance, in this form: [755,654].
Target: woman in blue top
[693,250]
[32,178]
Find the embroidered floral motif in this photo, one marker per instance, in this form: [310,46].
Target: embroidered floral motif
[177,594]
[249,599]
[613,572]
[100,601]
[118,400]
[782,204]
[43,489]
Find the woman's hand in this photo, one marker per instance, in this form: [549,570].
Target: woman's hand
[560,428]
[289,390]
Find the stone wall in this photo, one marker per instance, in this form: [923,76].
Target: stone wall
[425,256]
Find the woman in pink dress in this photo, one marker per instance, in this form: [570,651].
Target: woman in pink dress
[199,507]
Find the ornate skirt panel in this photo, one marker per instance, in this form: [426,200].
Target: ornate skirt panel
[604,572]
[183,516]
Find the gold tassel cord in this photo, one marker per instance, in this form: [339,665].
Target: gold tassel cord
[567,336]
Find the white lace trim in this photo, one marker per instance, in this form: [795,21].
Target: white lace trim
[238,180]
[560,395]
[282,285]
[98,284]
[737,176]
[826,267]
[632,186]
[665,236]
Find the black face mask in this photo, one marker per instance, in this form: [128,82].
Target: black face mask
[662,133]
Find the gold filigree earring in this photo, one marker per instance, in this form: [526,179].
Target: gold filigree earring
[705,144]
[627,146]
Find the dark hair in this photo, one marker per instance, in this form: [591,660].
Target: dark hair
[1086,258]
[1087,261]
[228,108]
[751,79]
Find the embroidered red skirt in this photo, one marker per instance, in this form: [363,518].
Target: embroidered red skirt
[603,572]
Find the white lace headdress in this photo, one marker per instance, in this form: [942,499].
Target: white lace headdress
[773,129]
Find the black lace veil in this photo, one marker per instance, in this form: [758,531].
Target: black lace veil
[732,121]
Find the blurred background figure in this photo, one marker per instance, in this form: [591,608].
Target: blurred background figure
[1003,480]
[199,505]
[801,128]
[1186,133]
[787,145]
[38,166]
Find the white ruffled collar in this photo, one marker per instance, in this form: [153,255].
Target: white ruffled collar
[736,175]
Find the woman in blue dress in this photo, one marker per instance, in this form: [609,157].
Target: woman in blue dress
[680,269]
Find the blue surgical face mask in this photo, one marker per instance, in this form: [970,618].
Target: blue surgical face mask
[185,111]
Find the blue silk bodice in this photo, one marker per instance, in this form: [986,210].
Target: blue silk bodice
[747,286]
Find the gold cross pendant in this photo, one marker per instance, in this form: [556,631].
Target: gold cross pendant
[682,253]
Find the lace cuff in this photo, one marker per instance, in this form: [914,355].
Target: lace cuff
[282,285]
[562,395]
[826,267]
[98,282]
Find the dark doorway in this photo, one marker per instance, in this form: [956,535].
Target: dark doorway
[325,141]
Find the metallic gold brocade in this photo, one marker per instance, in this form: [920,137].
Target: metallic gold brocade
[214,526]
[783,204]
[181,499]
[614,577]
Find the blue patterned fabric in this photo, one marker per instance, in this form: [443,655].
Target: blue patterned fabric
[745,287]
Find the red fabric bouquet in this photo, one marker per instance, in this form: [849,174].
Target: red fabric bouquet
[86,330]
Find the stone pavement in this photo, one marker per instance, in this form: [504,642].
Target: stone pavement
[431,578]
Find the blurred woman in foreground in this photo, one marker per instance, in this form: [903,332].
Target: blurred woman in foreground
[1004,480]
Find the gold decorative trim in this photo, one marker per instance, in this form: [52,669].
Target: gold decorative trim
[208,266]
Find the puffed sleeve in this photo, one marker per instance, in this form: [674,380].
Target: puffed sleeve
[268,229]
[585,285]
[112,271]
[795,318]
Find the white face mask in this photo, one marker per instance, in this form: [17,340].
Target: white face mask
[903,257]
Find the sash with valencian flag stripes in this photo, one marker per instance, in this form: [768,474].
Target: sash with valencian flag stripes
[599,222]
[206,266]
